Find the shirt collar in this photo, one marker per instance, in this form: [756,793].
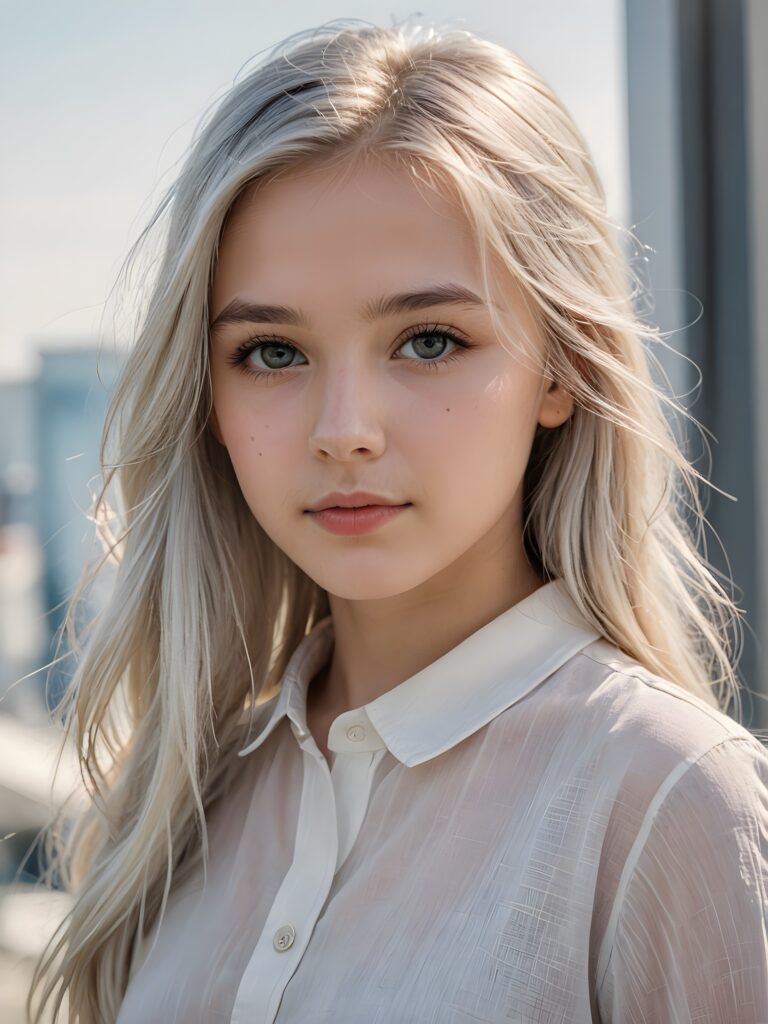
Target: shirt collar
[451,698]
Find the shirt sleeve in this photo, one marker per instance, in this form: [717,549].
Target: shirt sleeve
[688,938]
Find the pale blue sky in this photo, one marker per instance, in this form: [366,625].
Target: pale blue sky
[99,100]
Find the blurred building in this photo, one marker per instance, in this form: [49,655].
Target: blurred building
[50,428]
[72,392]
[18,459]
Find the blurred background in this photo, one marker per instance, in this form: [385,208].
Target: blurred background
[98,103]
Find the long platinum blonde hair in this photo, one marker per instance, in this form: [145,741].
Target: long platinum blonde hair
[203,610]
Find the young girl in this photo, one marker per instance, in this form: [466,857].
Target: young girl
[410,701]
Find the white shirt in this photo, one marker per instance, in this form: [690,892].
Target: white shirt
[533,828]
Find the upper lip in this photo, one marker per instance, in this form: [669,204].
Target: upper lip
[355,499]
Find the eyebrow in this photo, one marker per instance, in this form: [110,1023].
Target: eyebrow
[240,311]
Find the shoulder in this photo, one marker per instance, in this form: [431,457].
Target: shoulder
[642,709]
[636,734]
[668,746]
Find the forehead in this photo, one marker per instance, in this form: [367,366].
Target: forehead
[370,212]
[377,187]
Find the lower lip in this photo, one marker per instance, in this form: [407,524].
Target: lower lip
[356,520]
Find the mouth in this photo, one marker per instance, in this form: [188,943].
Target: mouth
[353,499]
[358,519]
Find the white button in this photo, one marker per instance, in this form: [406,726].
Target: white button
[298,732]
[356,733]
[283,938]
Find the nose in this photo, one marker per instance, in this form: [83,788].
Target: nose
[348,421]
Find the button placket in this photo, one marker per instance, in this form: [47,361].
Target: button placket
[299,901]
[352,777]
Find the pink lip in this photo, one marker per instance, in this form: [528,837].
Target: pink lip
[353,499]
[356,520]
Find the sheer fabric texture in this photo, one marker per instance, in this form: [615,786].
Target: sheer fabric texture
[533,829]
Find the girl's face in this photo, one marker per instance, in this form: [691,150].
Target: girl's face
[346,389]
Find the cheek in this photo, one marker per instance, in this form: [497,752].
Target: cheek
[261,446]
[478,455]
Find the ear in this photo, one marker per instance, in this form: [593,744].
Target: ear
[556,406]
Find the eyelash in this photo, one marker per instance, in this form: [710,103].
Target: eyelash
[241,353]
